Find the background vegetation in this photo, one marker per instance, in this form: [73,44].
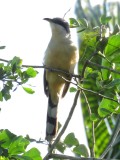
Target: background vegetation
[98,85]
[99,68]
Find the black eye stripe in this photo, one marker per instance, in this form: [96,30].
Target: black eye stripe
[61,22]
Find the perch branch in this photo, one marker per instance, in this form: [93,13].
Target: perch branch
[49,68]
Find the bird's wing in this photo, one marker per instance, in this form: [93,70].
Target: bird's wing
[66,87]
[45,84]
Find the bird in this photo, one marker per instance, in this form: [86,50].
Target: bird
[61,54]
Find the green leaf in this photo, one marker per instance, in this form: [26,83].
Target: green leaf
[1,65]
[33,153]
[6,94]
[70,140]
[20,157]
[1,96]
[31,72]
[112,84]
[81,150]
[112,50]
[18,145]
[83,22]
[3,158]
[94,117]
[107,107]
[104,20]
[72,89]
[28,90]
[16,60]
[117,110]
[116,29]
[73,23]
[81,30]
[14,64]
[60,147]
[6,137]
[105,73]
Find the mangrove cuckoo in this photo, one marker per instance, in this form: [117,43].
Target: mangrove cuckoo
[60,54]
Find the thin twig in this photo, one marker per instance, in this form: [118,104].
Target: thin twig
[49,68]
[103,67]
[89,108]
[86,63]
[116,131]
[42,141]
[99,94]
[66,13]
[93,138]
[93,130]
[60,156]
[4,60]
[64,127]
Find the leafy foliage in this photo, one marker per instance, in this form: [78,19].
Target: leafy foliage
[72,142]
[99,68]
[14,147]
[12,75]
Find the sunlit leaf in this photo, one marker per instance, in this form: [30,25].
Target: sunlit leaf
[72,89]
[1,96]
[28,90]
[18,145]
[81,30]
[33,153]
[73,23]
[112,84]
[105,72]
[83,22]
[70,140]
[31,72]
[104,20]
[60,147]
[94,117]
[81,150]
[112,50]
[107,107]
[6,137]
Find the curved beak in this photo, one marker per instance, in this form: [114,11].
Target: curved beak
[48,19]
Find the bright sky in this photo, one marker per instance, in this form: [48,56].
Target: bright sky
[25,34]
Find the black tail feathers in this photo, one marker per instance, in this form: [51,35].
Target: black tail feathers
[51,126]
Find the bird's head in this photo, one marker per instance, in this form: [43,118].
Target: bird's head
[58,25]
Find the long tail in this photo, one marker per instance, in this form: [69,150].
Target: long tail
[51,126]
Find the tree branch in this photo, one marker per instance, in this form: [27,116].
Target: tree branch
[103,67]
[3,60]
[97,93]
[59,156]
[64,127]
[49,68]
